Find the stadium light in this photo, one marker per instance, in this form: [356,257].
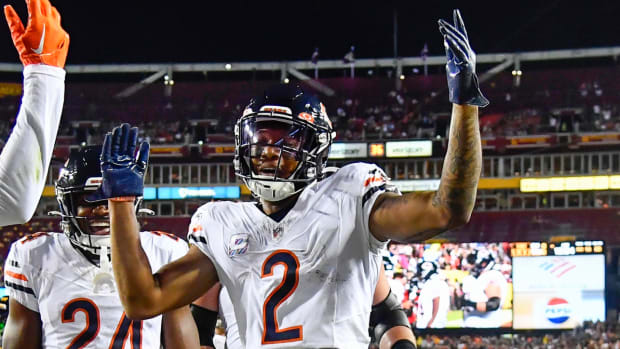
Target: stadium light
[228,66]
[286,80]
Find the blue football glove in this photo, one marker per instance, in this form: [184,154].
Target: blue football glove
[461,65]
[123,174]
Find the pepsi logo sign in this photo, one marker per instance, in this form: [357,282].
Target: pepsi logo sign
[558,310]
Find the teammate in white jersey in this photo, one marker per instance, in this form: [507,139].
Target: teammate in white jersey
[61,287]
[233,341]
[484,292]
[301,266]
[433,303]
[206,309]
[25,159]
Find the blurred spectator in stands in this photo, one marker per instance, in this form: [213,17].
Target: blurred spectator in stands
[83,133]
[426,127]
[566,122]
[553,123]
[598,91]
[397,284]
[358,113]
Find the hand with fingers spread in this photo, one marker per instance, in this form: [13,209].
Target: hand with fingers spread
[122,172]
[43,40]
[461,65]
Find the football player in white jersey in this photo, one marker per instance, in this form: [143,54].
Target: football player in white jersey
[61,287]
[484,292]
[388,325]
[433,302]
[206,309]
[25,159]
[301,265]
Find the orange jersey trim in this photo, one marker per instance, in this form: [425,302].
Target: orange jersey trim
[16,275]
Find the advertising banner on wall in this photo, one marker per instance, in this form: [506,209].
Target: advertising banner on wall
[403,149]
[348,151]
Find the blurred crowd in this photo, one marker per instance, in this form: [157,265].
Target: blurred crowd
[362,110]
[598,335]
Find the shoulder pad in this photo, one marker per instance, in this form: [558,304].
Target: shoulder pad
[40,236]
[31,249]
[163,234]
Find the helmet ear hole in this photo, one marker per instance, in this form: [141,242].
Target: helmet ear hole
[311,172]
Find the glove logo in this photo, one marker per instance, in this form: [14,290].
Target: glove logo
[39,49]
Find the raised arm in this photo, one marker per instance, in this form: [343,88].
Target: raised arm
[25,159]
[418,216]
[143,293]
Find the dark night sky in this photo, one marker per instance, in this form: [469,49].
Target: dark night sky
[185,31]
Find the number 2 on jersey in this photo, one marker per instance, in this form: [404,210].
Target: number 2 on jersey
[91,312]
[271,331]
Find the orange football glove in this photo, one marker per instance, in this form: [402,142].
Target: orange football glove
[43,41]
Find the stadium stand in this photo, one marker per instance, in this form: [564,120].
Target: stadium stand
[546,102]
[557,123]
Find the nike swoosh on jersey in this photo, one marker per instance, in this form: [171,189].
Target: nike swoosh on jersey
[39,49]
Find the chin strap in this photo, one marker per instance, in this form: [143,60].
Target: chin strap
[271,191]
[104,280]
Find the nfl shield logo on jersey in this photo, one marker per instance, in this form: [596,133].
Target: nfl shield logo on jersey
[238,245]
[277,232]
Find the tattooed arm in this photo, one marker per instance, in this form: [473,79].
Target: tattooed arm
[418,216]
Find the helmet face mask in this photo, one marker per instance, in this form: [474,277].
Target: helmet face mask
[79,222]
[273,148]
[282,142]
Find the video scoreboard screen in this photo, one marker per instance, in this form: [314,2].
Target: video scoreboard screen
[539,284]
[443,282]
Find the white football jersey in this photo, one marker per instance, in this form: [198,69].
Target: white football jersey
[306,281]
[431,289]
[474,289]
[46,274]
[233,341]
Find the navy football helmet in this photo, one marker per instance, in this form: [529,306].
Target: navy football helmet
[81,176]
[288,124]
[481,261]
[427,269]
